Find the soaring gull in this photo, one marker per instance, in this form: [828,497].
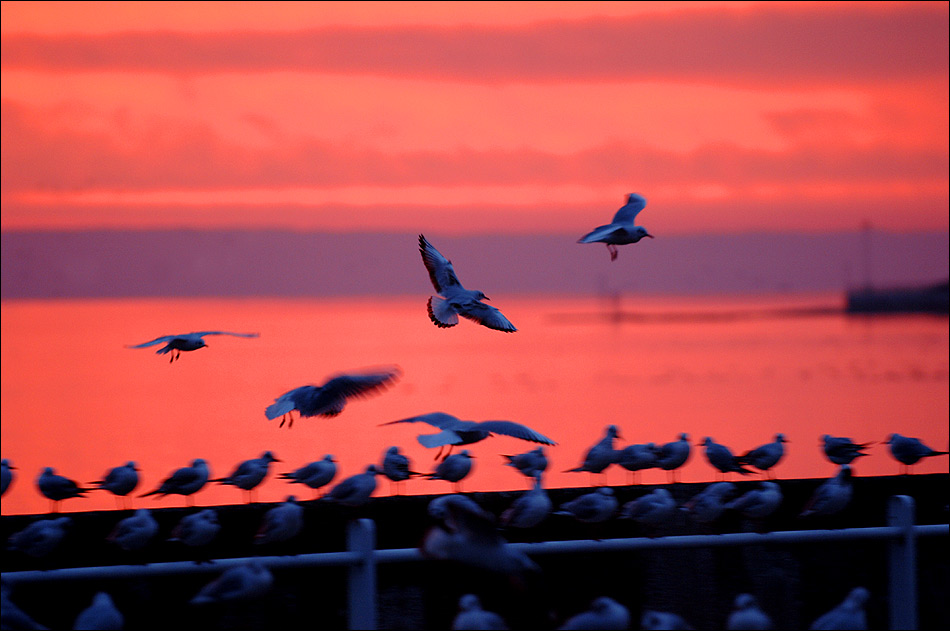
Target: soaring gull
[175,344]
[330,398]
[620,231]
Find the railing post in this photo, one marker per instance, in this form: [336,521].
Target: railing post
[902,564]
[361,578]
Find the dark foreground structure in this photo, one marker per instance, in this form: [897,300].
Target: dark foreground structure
[794,583]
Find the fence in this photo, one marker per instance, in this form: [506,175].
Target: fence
[362,557]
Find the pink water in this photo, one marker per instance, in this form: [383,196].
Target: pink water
[76,399]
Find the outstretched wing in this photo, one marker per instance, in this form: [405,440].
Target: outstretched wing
[517,430]
[435,419]
[286,402]
[600,232]
[486,315]
[628,212]
[358,385]
[440,269]
[203,333]
[158,340]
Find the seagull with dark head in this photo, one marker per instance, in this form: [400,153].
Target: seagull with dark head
[175,344]
[621,230]
[453,300]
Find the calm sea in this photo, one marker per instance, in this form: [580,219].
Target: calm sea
[737,369]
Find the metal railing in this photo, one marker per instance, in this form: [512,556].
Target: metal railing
[362,557]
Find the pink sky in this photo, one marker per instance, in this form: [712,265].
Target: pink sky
[475,117]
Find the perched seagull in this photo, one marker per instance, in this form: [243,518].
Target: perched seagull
[101,614]
[722,458]
[396,467]
[658,620]
[453,300]
[601,455]
[832,496]
[120,481]
[249,474]
[198,529]
[766,456]
[315,475]
[636,458]
[672,456]
[848,615]
[135,532]
[175,344]
[758,503]
[530,509]
[11,616]
[471,616]
[330,398]
[41,537]
[184,481]
[458,432]
[909,451]
[453,469]
[6,475]
[356,489]
[593,507]
[283,522]
[840,450]
[443,507]
[241,582]
[531,463]
[746,615]
[604,613]
[57,488]
[620,231]
[708,505]
[652,509]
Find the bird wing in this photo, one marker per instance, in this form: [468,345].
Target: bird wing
[435,419]
[629,211]
[441,272]
[157,340]
[517,430]
[486,315]
[600,232]
[358,385]
[286,402]
[181,477]
[203,333]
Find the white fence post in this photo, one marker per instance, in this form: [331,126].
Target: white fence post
[361,577]
[902,564]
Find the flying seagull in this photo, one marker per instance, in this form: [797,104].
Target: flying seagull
[175,344]
[453,300]
[330,398]
[621,230]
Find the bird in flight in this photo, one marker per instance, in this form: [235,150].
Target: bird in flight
[621,230]
[453,300]
[330,398]
[175,344]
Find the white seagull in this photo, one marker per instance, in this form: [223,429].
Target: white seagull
[530,509]
[746,615]
[248,580]
[330,398]
[832,496]
[601,455]
[471,616]
[672,456]
[591,508]
[909,451]
[848,615]
[120,481]
[453,300]
[135,532]
[453,469]
[651,509]
[57,488]
[184,481]
[766,456]
[604,613]
[315,474]
[198,529]
[249,474]
[355,490]
[758,503]
[41,537]
[710,503]
[175,344]
[101,614]
[621,230]
[281,523]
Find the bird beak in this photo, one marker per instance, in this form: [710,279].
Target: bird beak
[648,235]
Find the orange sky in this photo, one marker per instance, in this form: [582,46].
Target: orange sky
[464,117]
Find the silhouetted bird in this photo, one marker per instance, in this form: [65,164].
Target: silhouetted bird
[621,230]
[57,488]
[766,456]
[909,451]
[249,474]
[315,474]
[184,481]
[330,398]
[175,344]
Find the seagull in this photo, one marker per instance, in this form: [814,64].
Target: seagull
[746,615]
[531,463]
[722,458]
[175,344]
[120,481]
[604,613]
[283,522]
[241,582]
[315,474]
[908,451]
[657,620]
[840,450]
[6,475]
[184,481]
[453,300]
[766,456]
[396,467]
[601,455]
[621,230]
[530,509]
[249,474]
[443,507]
[832,496]
[672,456]
[593,507]
[198,529]
[758,503]
[57,488]
[356,489]
[453,469]
[330,398]
[135,532]
[848,615]
[651,509]
[708,505]
[635,458]
[41,537]
[458,432]
[471,616]
[101,614]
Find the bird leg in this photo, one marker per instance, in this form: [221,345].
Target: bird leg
[289,416]
[613,251]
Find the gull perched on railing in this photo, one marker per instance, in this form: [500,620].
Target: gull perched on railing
[621,230]
[909,451]
[330,398]
[315,474]
[248,475]
[120,481]
[184,481]
[175,344]
[57,488]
